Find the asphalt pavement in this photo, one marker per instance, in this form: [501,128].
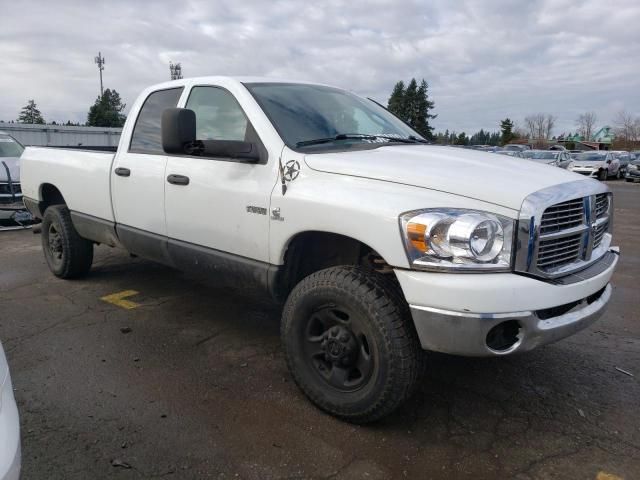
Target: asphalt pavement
[141,371]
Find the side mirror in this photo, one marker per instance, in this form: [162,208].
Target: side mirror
[179,137]
[178,129]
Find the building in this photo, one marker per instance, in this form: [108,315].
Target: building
[62,135]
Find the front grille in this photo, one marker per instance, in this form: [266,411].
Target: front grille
[563,229]
[602,205]
[599,233]
[560,251]
[5,189]
[562,216]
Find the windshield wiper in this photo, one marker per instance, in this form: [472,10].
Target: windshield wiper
[359,136]
[410,139]
[340,136]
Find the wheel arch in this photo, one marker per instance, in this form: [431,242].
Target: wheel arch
[309,251]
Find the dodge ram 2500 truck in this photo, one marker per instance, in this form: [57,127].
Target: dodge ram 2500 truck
[379,245]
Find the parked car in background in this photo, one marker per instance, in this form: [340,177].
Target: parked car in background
[549,157]
[624,158]
[516,148]
[633,171]
[9,425]
[598,164]
[510,153]
[12,211]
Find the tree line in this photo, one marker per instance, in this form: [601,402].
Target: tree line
[105,112]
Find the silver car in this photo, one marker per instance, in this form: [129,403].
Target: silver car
[597,164]
[556,158]
[12,211]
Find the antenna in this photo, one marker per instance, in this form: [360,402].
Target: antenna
[99,60]
[176,70]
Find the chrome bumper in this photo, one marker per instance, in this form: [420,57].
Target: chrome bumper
[466,334]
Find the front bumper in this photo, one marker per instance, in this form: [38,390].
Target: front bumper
[10,455]
[587,172]
[13,214]
[633,175]
[461,313]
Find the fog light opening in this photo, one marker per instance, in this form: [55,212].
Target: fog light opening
[505,337]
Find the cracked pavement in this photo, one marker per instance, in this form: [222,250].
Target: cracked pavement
[199,387]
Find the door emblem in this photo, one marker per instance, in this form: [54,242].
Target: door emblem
[275,214]
[291,170]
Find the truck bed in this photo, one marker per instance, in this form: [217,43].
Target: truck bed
[83,177]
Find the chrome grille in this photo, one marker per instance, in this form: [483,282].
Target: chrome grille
[559,251]
[562,216]
[599,233]
[563,228]
[602,204]
[5,189]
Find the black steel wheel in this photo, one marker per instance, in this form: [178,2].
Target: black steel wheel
[68,255]
[350,343]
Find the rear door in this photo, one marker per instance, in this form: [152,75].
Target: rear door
[138,180]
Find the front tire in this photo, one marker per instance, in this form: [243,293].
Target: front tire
[350,343]
[68,255]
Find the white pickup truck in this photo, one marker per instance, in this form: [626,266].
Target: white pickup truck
[379,245]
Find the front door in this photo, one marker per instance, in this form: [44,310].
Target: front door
[218,211]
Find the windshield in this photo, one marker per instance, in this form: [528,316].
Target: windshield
[304,113]
[533,155]
[591,157]
[9,147]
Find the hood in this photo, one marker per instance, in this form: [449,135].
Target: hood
[13,163]
[492,178]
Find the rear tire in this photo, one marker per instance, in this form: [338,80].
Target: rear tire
[68,255]
[350,343]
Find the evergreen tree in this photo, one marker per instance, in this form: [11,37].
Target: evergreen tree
[396,103]
[30,114]
[107,111]
[424,106]
[506,127]
[462,139]
[411,103]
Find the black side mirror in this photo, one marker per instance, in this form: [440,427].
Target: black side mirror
[179,137]
[178,129]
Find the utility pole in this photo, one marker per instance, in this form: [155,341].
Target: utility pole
[99,60]
[176,71]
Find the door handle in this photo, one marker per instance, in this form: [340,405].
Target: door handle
[122,172]
[178,180]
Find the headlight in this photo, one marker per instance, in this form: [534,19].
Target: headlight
[457,239]
[631,166]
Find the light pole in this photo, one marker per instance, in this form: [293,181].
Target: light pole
[99,60]
[176,71]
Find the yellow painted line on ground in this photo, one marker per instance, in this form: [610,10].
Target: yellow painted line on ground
[119,299]
[607,476]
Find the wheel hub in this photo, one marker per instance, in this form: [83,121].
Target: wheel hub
[339,346]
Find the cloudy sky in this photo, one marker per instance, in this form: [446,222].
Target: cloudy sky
[484,60]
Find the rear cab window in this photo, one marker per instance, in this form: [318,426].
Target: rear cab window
[147,136]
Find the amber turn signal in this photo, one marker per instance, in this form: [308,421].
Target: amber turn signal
[416,233]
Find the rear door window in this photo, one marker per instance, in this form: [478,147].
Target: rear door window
[147,137]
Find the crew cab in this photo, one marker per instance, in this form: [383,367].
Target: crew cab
[328,203]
